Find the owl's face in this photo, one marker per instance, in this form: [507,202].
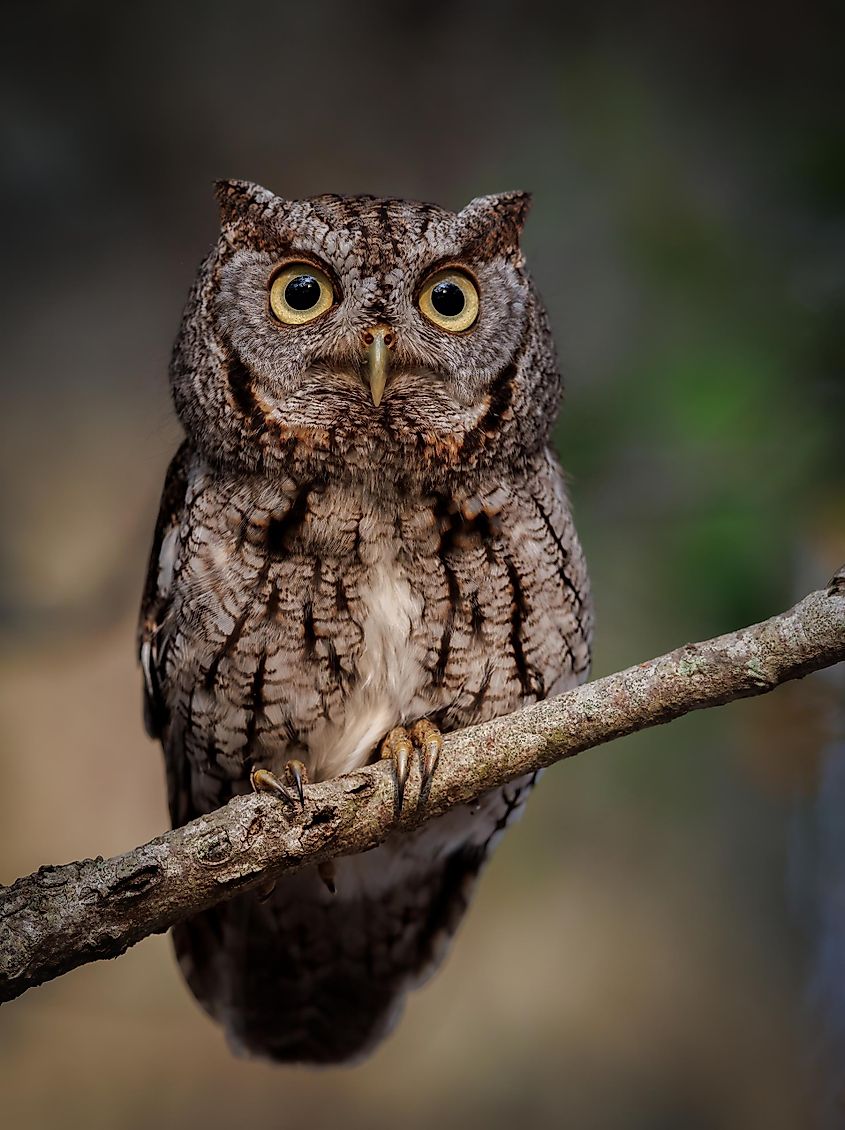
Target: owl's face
[372,336]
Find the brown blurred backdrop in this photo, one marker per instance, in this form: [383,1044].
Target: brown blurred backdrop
[652,946]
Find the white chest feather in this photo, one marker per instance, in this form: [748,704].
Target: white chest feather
[389,672]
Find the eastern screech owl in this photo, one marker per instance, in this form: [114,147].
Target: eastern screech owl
[364,530]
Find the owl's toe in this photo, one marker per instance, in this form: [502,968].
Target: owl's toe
[297,775]
[263,781]
[429,741]
[327,872]
[397,748]
[264,890]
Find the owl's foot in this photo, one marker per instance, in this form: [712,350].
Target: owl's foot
[398,746]
[429,741]
[263,781]
[295,777]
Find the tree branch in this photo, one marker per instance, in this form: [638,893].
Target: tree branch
[62,917]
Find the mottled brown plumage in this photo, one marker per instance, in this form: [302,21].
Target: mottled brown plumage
[325,569]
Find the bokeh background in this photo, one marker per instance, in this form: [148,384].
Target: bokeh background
[656,945]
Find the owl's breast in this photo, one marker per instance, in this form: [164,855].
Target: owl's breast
[296,629]
[308,626]
[385,663]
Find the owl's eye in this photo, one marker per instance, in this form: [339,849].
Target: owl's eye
[299,293]
[449,299]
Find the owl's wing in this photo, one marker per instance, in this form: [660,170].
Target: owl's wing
[157,590]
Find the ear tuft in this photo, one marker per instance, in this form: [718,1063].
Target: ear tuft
[497,221]
[242,204]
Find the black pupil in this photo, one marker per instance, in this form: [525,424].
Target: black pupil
[302,293]
[447,298]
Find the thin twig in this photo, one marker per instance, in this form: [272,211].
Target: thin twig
[62,917]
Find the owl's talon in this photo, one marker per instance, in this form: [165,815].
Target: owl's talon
[431,755]
[397,747]
[326,871]
[263,781]
[297,775]
[426,736]
[264,890]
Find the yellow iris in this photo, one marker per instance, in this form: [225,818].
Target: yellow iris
[299,293]
[450,300]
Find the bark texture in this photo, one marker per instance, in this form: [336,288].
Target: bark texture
[62,917]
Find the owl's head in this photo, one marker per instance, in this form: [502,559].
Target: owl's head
[383,339]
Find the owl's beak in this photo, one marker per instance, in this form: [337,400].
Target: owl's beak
[378,340]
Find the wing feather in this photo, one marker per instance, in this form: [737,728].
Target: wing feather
[155,602]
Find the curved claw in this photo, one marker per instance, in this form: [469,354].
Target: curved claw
[265,890]
[429,741]
[263,781]
[431,755]
[326,871]
[401,767]
[397,748]
[298,774]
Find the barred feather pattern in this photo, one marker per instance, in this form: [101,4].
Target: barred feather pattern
[324,570]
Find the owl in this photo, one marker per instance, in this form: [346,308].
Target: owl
[364,542]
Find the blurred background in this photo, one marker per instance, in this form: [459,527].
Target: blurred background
[656,945]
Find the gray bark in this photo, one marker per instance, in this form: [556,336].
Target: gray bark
[63,917]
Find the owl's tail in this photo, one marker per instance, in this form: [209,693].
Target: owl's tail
[305,977]
[275,1000]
